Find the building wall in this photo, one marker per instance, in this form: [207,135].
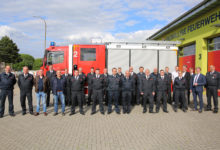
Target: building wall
[188,35]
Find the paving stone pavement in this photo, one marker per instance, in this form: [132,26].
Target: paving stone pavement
[136,131]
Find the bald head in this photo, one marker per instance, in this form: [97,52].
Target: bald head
[127,73]
[147,72]
[131,69]
[155,70]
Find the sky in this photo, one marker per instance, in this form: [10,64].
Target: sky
[80,21]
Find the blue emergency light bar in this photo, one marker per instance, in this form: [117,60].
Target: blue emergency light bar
[52,43]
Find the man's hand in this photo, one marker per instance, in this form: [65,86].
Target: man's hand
[190,91]
[142,93]
[195,84]
[153,93]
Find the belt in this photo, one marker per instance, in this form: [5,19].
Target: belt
[59,91]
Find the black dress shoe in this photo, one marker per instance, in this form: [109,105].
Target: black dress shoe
[124,112]
[215,111]
[128,112]
[109,112]
[31,113]
[72,113]
[92,113]
[184,110]
[82,113]
[151,111]
[200,111]
[23,113]
[208,109]
[1,116]
[12,115]
[157,111]
[102,113]
[166,111]
[144,111]
[118,112]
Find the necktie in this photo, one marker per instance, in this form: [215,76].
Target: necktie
[196,78]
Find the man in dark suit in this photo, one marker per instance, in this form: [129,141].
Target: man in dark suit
[50,75]
[114,84]
[187,76]
[97,86]
[127,88]
[140,75]
[67,88]
[89,78]
[120,75]
[169,75]
[133,76]
[25,83]
[7,82]
[83,87]
[76,84]
[155,75]
[180,88]
[105,76]
[196,87]
[161,88]
[147,89]
[212,88]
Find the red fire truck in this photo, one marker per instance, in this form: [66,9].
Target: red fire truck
[149,54]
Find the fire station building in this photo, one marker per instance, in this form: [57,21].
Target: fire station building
[198,30]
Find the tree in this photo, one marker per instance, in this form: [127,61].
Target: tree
[9,51]
[37,63]
[27,60]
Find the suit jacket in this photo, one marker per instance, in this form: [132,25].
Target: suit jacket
[201,82]
[162,84]
[25,84]
[50,76]
[188,80]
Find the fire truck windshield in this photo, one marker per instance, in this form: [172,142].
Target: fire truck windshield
[54,57]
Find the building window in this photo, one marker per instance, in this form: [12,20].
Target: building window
[87,54]
[188,50]
[55,57]
[214,44]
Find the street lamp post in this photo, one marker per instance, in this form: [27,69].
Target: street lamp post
[45,24]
